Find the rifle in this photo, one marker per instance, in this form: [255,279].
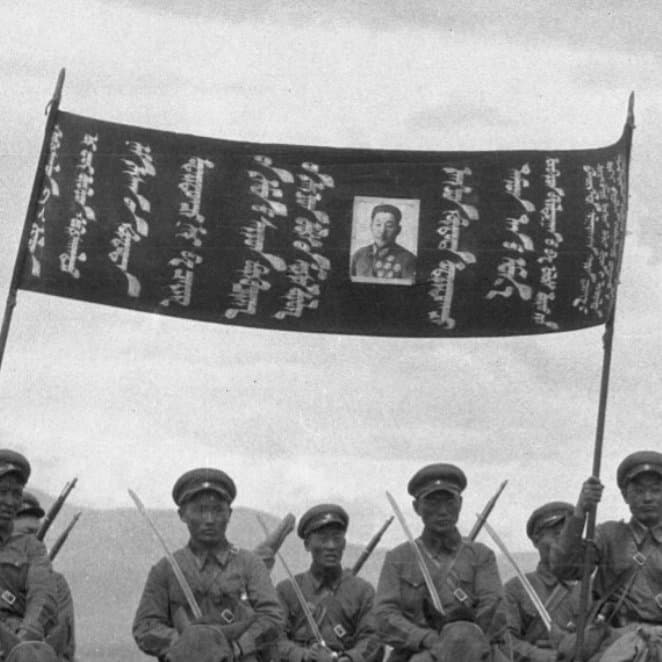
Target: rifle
[371,546]
[482,518]
[55,509]
[63,537]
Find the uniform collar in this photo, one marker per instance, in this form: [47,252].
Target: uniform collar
[383,251]
[546,576]
[221,555]
[331,581]
[639,531]
[449,544]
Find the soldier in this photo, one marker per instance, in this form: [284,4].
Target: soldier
[62,635]
[529,637]
[628,555]
[341,603]
[229,584]
[384,258]
[27,586]
[465,575]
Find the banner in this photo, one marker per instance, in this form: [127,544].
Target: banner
[299,238]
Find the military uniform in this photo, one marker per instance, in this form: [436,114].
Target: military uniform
[464,573]
[62,634]
[341,604]
[27,585]
[528,636]
[628,555]
[393,261]
[229,584]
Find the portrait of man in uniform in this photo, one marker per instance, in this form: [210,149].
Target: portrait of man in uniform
[377,255]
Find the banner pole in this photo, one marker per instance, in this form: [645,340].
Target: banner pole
[51,110]
[607,341]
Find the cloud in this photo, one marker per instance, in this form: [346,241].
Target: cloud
[612,26]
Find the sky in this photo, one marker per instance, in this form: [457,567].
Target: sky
[124,399]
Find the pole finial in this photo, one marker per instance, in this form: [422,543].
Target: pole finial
[630,119]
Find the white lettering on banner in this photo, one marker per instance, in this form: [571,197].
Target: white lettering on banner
[552,207]
[269,217]
[190,228]
[36,239]
[308,271]
[137,168]
[512,277]
[458,214]
[83,191]
[604,224]
[269,188]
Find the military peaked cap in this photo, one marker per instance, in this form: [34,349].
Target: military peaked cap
[13,462]
[203,480]
[435,478]
[638,463]
[322,515]
[30,506]
[548,515]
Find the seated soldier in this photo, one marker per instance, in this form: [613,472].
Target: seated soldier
[230,585]
[530,639]
[628,555]
[464,574]
[27,586]
[62,635]
[340,603]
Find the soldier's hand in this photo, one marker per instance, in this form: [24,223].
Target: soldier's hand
[589,496]
[319,653]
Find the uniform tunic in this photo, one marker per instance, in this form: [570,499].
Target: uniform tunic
[392,261]
[65,617]
[524,623]
[467,576]
[342,610]
[229,585]
[27,585]
[617,544]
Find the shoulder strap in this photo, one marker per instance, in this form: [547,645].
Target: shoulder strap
[623,582]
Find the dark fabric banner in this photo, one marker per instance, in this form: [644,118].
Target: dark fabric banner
[301,238]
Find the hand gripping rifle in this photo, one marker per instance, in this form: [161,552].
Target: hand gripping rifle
[63,537]
[181,578]
[303,603]
[482,518]
[365,554]
[55,509]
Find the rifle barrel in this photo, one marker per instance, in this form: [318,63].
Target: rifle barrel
[482,518]
[55,509]
[374,541]
[57,545]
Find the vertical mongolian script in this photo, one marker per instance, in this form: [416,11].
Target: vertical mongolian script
[36,240]
[138,165]
[267,215]
[552,239]
[456,214]
[513,271]
[605,194]
[84,213]
[190,231]
[311,227]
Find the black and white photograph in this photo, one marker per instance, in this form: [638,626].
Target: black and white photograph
[331,331]
[384,240]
